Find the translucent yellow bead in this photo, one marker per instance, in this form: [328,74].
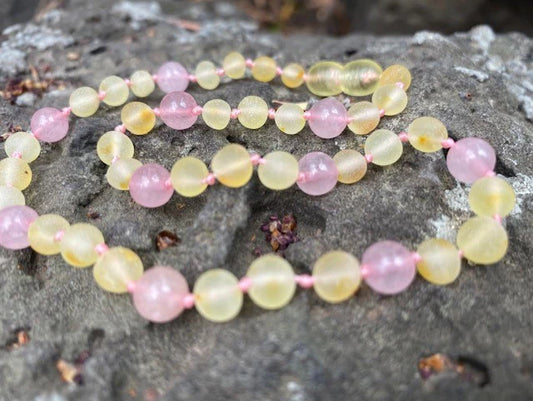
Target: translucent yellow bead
[84,102]
[138,118]
[351,164]
[116,90]
[254,112]
[264,69]
[10,196]
[483,240]
[337,276]
[290,118]
[187,175]
[441,263]
[279,171]
[142,83]
[394,74]
[364,117]
[390,98]
[116,268]
[78,243]
[232,166]
[25,144]
[216,114]
[272,282]
[234,65]
[293,75]
[206,75]
[114,144]
[360,77]
[426,134]
[42,233]
[324,78]
[384,146]
[120,172]
[490,196]
[15,172]
[217,295]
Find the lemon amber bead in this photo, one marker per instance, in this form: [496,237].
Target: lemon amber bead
[351,165]
[292,75]
[15,172]
[394,74]
[25,144]
[187,176]
[324,78]
[142,83]
[84,102]
[232,166]
[289,118]
[78,243]
[483,240]
[116,91]
[42,233]
[116,268]
[364,117]
[120,172]
[491,196]
[360,77]
[279,170]
[390,98]
[11,196]
[264,69]
[426,134]
[384,146]
[114,144]
[253,112]
[441,263]
[216,114]
[138,118]
[234,65]
[337,276]
[206,75]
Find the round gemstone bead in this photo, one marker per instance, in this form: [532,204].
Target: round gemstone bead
[158,294]
[364,117]
[279,170]
[470,159]
[49,124]
[441,263]
[15,172]
[290,118]
[390,98]
[234,65]
[23,143]
[187,176]
[491,196]
[120,172]
[138,118]
[264,69]
[84,101]
[206,75]
[42,234]
[150,185]
[384,146]
[337,276]
[78,244]
[272,282]
[11,196]
[172,77]
[324,78]
[253,112]
[217,296]
[426,134]
[483,240]
[142,83]
[394,74]
[360,77]
[114,144]
[232,166]
[176,110]
[216,114]
[328,118]
[318,173]
[351,165]
[116,91]
[116,268]
[293,75]
[14,224]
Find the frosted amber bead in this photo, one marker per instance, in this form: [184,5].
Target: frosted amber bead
[351,164]
[42,233]
[119,173]
[292,75]
[364,117]
[142,83]
[11,196]
[254,112]
[206,75]
[390,98]
[234,65]
[216,114]
[114,144]
[384,146]
[272,282]
[426,134]
[491,196]
[138,118]
[394,74]
[441,263]
[337,276]
[15,172]
[25,144]
[483,240]
[289,118]
[217,295]
[187,175]
[360,77]
[116,91]
[232,166]
[264,69]
[324,78]
[279,171]
[78,243]
[84,102]
[116,268]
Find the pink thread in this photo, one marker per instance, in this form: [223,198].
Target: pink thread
[249,63]
[155,77]
[16,155]
[498,218]
[168,183]
[381,112]
[448,143]
[400,85]
[131,286]
[101,95]
[197,110]
[416,257]
[490,173]
[120,128]
[234,113]
[245,283]
[128,82]
[220,72]
[305,77]
[210,179]
[365,271]
[59,235]
[256,159]
[114,159]
[279,71]
[66,111]
[9,184]
[101,248]
[349,120]
[157,111]
[307,115]
[369,158]
[188,301]
[461,254]
[304,280]
[271,114]
[301,177]
[192,78]
[403,137]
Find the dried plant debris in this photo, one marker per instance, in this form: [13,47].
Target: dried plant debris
[469,369]
[166,239]
[15,87]
[21,338]
[280,233]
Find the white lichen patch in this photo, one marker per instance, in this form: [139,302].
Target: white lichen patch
[479,75]
[443,227]
[523,187]
[138,12]
[457,198]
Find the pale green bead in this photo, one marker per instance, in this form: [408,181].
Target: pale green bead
[360,77]
[483,240]
[384,146]
[138,118]
[15,172]
[290,118]
[253,112]
[390,98]
[234,65]
[293,75]
[24,143]
[279,170]
[491,196]
[114,144]
[206,75]
[232,166]
[119,173]
[441,263]
[426,134]
[264,69]
[116,91]
[351,165]
[394,74]
[364,118]
[142,83]
[216,114]
[43,233]
[84,102]
[324,78]
[116,268]
[337,276]
[187,176]
[11,196]
[78,244]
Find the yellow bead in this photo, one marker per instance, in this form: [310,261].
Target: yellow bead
[42,233]
[279,171]
[426,134]
[116,91]
[234,65]
[264,69]
[364,117]
[384,146]
[216,114]
[253,112]
[116,268]
[351,164]
[217,296]
[394,74]
[483,240]
[84,102]
[360,77]
[114,144]
[232,166]
[290,118]
[187,175]
[441,263]
[491,196]
[120,172]
[78,243]
[390,98]
[10,196]
[324,78]
[15,172]
[206,75]
[142,83]
[272,282]
[25,144]
[293,75]
[337,276]
[138,118]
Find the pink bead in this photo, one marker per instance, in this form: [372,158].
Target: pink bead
[149,185]
[172,77]
[49,124]
[158,294]
[177,110]
[318,173]
[14,223]
[389,267]
[327,118]
[470,159]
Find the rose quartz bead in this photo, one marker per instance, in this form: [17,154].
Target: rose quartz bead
[49,124]
[318,173]
[390,267]
[470,159]
[150,185]
[328,118]
[176,110]
[172,77]
[14,224]
[159,293]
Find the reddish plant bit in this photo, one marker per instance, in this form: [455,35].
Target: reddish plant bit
[22,338]
[166,239]
[93,215]
[280,233]
[69,372]
[467,368]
